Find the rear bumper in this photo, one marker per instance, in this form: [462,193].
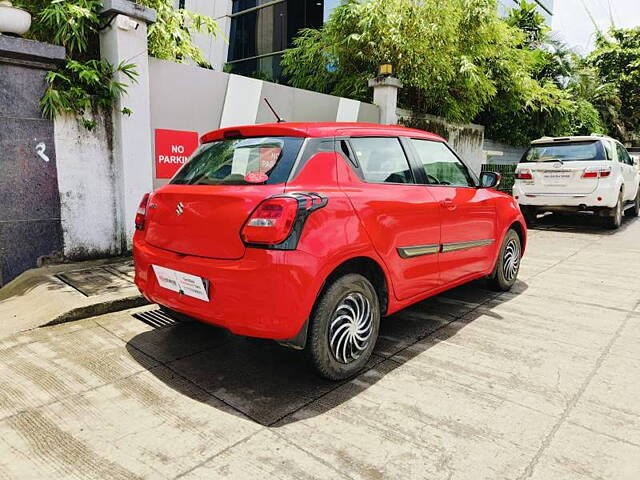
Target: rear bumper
[597,199]
[254,296]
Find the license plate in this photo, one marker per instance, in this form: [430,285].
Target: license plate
[557,178]
[183,283]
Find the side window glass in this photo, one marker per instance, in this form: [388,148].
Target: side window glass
[608,146]
[382,160]
[623,157]
[440,165]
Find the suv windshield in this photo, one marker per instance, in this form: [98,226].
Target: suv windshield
[565,152]
[242,161]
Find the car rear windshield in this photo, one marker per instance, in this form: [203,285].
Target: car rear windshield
[242,161]
[565,152]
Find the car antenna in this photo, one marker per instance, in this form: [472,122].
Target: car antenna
[278,117]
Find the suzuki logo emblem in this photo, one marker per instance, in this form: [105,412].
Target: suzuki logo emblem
[179,209]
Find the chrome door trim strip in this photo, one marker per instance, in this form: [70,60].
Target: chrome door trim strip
[454,247]
[418,250]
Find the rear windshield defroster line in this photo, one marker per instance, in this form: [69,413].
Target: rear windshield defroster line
[227,162]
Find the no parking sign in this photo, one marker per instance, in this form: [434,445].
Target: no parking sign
[173,149]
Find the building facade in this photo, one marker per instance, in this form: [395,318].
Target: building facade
[258,31]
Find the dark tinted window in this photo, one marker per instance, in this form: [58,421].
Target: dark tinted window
[566,152]
[242,161]
[258,32]
[440,165]
[623,155]
[382,160]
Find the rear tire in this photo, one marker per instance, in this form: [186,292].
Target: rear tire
[507,267]
[344,327]
[614,219]
[634,211]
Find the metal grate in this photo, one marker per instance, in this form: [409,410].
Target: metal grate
[156,318]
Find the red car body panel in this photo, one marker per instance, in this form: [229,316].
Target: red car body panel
[269,293]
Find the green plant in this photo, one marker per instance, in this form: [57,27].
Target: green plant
[615,63]
[445,53]
[85,82]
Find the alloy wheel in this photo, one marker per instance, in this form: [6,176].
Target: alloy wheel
[511,260]
[351,328]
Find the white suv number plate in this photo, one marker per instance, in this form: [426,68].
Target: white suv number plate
[557,178]
[183,283]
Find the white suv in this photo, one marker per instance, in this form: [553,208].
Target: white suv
[574,174]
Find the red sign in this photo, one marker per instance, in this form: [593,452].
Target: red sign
[173,149]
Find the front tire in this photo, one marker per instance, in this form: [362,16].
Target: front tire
[634,211]
[344,327]
[507,267]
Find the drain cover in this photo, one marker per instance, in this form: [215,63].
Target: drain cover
[156,318]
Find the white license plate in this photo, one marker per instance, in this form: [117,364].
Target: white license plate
[183,283]
[557,178]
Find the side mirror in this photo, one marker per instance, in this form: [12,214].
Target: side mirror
[636,161]
[490,179]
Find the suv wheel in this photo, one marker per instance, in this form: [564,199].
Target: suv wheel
[634,211]
[508,264]
[614,219]
[344,327]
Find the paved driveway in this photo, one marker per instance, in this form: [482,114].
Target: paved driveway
[542,383]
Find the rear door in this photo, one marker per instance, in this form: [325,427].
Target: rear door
[400,217]
[559,168]
[468,226]
[629,173]
[202,210]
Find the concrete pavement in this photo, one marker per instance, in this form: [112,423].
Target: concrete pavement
[63,292]
[539,383]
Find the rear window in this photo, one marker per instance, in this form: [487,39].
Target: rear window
[574,151]
[242,161]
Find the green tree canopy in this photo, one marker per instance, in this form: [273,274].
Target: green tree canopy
[616,65]
[456,59]
[447,54]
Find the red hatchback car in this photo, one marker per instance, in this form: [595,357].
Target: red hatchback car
[309,233]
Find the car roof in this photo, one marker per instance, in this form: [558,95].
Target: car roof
[318,130]
[580,138]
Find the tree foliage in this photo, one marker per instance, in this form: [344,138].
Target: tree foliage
[615,63]
[456,59]
[86,82]
[446,54]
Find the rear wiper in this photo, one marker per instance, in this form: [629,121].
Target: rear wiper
[550,159]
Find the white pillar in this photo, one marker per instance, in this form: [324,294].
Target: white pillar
[385,96]
[125,40]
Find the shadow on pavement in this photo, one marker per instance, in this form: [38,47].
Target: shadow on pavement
[266,382]
[577,223]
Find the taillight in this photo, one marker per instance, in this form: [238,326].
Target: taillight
[141,214]
[597,172]
[271,222]
[524,175]
[277,222]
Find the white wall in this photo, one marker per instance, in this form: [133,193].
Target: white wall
[87,188]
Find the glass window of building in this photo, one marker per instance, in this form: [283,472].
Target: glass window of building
[262,29]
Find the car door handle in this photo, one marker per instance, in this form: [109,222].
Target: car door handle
[448,204]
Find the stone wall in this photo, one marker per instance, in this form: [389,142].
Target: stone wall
[30,229]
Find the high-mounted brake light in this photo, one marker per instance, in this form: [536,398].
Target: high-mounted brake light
[141,214]
[277,222]
[597,172]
